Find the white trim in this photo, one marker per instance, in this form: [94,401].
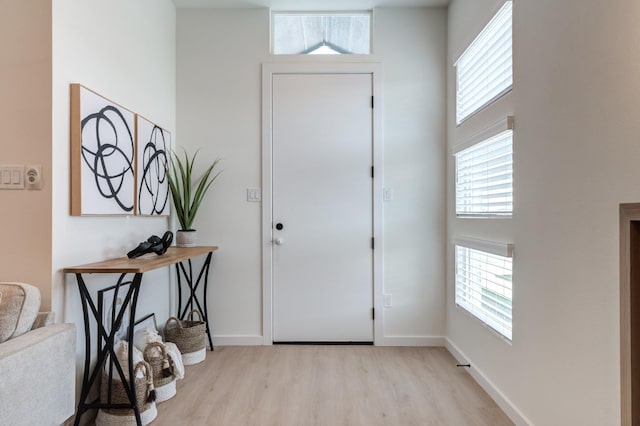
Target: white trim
[268,70]
[238,340]
[322,12]
[267,254]
[482,30]
[500,249]
[474,30]
[415,341]
[507,123]
[503,402]
[485,326]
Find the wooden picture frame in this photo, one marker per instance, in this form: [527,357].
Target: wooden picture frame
[152,159]
[102,155]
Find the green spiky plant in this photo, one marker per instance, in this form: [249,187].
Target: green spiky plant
[187,192]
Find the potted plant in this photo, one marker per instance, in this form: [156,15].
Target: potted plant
[187,193]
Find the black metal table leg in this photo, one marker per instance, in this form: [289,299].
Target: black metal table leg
[105,341]
[87,350]
[207,265]
[132,320]
[192,287]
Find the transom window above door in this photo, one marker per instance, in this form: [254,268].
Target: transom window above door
[309,33]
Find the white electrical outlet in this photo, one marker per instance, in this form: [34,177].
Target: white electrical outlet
[33,177]
[387,194]
[388,302]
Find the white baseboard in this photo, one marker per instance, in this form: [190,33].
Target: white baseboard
[503,402]
[239,340]
[253,340]
[412,341]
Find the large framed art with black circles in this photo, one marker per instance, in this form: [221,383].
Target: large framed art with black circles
[118,159]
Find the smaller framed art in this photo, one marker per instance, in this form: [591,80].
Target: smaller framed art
[153,148]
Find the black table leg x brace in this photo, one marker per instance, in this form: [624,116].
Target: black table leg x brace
[193,298]
[90,376]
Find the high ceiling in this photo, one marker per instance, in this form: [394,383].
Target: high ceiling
[320,5]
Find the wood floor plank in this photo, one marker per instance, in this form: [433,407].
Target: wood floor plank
[329,386]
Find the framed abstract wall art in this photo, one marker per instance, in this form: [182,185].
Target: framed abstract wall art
[102,155]
[153,148]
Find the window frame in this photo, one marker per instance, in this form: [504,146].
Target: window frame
[504,250]
[505,125]
[368,13]
[483,34]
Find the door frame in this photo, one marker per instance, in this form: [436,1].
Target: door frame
[629,213]
[268,71]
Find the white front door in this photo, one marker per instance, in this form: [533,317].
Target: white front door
[322,207]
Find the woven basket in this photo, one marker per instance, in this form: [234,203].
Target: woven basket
[188,335]
[126,416]
[192,358]
[162,368]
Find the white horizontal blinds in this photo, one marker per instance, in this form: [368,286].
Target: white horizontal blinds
[485,70]
[484,177]
[484,287]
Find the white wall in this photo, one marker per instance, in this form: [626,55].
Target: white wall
[576,159]
[125,51]
[411,44]
[219,59]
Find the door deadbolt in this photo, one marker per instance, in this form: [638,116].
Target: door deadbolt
[279,226]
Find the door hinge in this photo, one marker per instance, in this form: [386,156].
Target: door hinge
[373,245]
[372,102]
[373,313]
[372,173]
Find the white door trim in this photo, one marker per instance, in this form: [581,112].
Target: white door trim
[268,70]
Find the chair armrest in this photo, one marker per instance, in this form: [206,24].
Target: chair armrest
[38,371]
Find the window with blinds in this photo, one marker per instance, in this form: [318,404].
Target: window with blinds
[484,72]
[484,177]
[484,282]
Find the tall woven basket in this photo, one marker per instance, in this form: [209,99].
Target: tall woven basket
[162,368]
[144,396]
[189,337]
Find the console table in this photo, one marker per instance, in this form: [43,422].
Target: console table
[106,338]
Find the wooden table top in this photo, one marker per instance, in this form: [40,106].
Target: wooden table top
[148,262]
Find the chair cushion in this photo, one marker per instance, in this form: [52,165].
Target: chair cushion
[19,306]
[44,319]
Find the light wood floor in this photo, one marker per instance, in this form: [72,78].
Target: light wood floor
[328,385]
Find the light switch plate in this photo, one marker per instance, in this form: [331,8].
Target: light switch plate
[11,177]
[254,195]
